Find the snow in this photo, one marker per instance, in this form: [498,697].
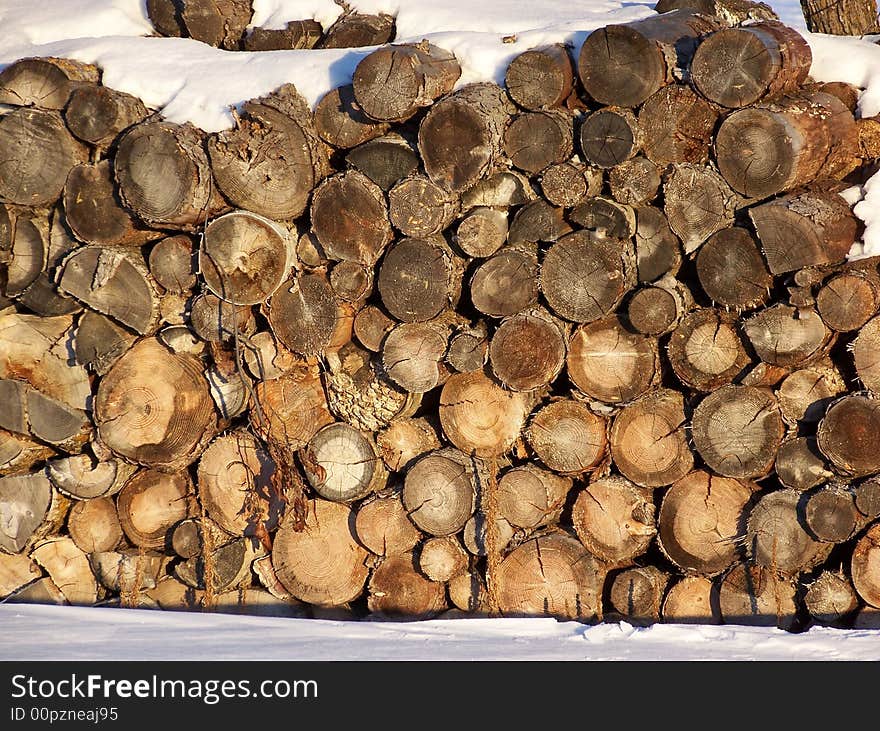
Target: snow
[190,81]
[31,632]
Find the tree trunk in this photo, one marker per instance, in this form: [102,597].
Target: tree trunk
[383,526]
[637,594]
[443,558]
[846,18]
[355,30]
[440,492]
[732,271]
[535,140]
[568,437]
[677,126]
[530,497]
[614,519]
[706,351]
[692,600]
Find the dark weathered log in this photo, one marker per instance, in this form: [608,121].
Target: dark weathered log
[637,593]
[732,12]
[864,351]
[625,64]
[706,350]
[649,444]
[568,437]
[383,526]
[849,299]
[221,569]
[392,83]
[609,136]
[831,598]
[614,519]
[37,153]
[677,126]
[807,392]
[114,282]
[691,600]
[303,313]
[416,280]
[757,596]
[165,17]
[527,350]
[540,78]
[779,146]
[97,114]
[634,182]
[606,217]
[550,575]
[737,431]
[535,140]
[736,67]
[658,309]
[153,407]
[371,325]
[506,283]
[172,263]
[341,122]
[214,320]
[351,281]
[99,342]
[219,23]
[24,253]
[535,222]
[786,336]
[701,521]
[482,232]
[502,190]
[830,513]
[698,203]
[468,348]
[658,249]
[609,363]
[479,417]
[355,30]
[350,218]
[806,229]
[45,82]
[440,492]
[847,435]
[296,35]
[398,589]
[584,276]
[151,504]
[777,535]
[385,160]
[420,207]
[800,465]
[566,184]
[732,271]
[460,139]
[164,176]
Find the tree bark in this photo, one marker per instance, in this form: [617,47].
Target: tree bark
[846,18]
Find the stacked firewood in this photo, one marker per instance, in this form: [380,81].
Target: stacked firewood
[585,345]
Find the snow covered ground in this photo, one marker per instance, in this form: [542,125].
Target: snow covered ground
[189,81]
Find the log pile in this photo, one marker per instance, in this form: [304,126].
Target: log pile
[584,345]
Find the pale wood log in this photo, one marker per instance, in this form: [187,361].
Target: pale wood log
[296,35]
[568,437]
[383,527]
[610,364]
[290,409]
[355,30]
[615,519]
[46,82]
[68,567]
[732,271]
[244,257]
[94,525]
[412,356]
[128,571]
[637,594]
[392,83]
[800,465]
[831,598]
[16,571]
[677,126]
[97,114]
[439,492]
[469,594]
[648,441]
[273,158]
[625,64]
[691,600]
[865,566]
[475,535]
[810,228]
[168,594]
[787,336]
[737,431]
[755,596]
[442,558]
[479,417]
[530,497]
[701,521]
[164,175]
[567,183]
[584,276]
[151,503]
[540,78]
[460,138]
[398,590]
[303,313]
[38,153]
[846,435]
[342,464]
[322,564]
[706,350]
[341,122]
[505,283]
[657,248]
[30,510]
[114,282]
[41,591]
[83,478]
[19,453]
[551,575]
[806,393]
[153,407]
[777,537]
[266,358]
[736,67]
[406,439]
